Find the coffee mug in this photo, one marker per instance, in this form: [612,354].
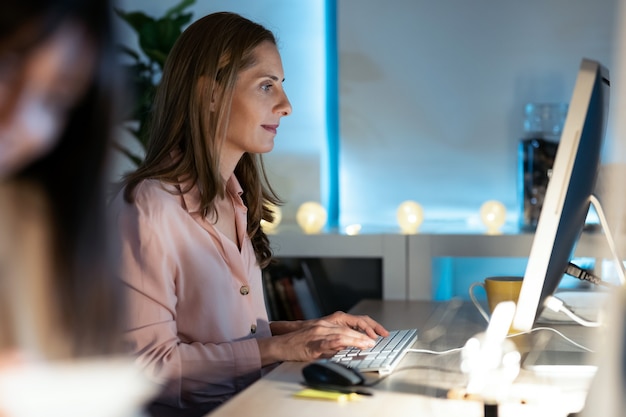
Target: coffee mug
[498,289]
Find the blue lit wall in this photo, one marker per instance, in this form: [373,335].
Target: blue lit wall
[413,99]
[432,96]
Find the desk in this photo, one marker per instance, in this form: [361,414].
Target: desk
[419,385]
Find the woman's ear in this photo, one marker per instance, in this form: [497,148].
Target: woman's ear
[208,88]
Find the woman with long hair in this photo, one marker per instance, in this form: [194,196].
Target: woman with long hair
[189,216]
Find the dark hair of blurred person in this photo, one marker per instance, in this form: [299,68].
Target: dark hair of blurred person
[58,81]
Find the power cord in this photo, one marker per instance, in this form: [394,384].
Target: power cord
[558,305]
[453,350]
[578,345]
[585,275]
[535,329]
[434,352]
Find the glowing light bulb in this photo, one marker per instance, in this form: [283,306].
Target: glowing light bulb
[410,216]
[270,227]
[353,229]
[311,217]
[493,215]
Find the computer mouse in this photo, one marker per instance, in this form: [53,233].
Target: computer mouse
[328,372]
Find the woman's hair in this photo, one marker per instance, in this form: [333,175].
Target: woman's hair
[186,134]
[72,177]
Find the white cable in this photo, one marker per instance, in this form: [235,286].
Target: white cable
[578,345]
[445,352]
[434,352]
[609,238]
[552,303]
[557,305]
[579,319]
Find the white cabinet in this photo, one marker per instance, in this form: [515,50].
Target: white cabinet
[391,249]
[407,260]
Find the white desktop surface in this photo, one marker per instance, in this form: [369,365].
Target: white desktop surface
[422,387]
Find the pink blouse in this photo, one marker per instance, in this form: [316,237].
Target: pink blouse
[196,302]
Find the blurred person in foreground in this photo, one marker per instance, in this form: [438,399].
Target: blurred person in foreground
[61,303]
[59,299]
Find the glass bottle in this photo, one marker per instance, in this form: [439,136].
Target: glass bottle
[543,124]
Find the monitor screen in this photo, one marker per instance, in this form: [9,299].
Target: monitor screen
[571,184]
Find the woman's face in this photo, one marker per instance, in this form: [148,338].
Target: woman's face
[37,92]
[259,102]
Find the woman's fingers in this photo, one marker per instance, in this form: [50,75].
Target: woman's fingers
[363,323]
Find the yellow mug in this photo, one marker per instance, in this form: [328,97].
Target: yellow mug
[498,289]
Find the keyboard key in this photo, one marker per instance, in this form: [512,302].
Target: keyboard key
[383,357]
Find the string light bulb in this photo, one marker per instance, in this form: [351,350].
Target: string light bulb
[493,216]
[410,216]
[311,217]
[270,227]
[353,229]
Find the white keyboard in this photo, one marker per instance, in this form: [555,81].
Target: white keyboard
[381,358]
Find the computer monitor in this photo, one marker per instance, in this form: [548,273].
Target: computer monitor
[568,193]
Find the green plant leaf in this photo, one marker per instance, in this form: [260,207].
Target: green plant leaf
[136,159]
[156,36]
[126,50]
[182,20]
[156,55]
[136,20]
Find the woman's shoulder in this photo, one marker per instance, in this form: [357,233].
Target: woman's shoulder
[149,197]
[151,191]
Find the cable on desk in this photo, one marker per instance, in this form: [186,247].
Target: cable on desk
[453,350]
[434,352]
[578,345]
[458,349]
[557,305]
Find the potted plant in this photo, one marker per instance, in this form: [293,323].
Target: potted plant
[156,37]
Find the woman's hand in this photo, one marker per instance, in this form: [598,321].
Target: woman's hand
[322,337]
[364,324]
